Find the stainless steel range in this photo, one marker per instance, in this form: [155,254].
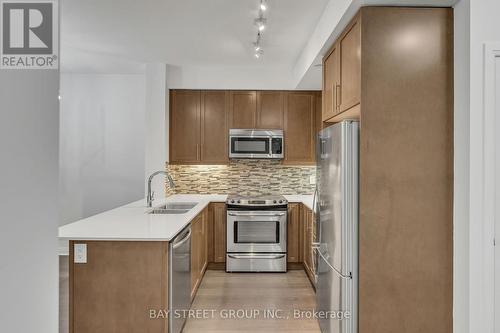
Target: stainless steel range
[256,233]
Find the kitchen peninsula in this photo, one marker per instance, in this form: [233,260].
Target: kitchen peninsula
[120,260]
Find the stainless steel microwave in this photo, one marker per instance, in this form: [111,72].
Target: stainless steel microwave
[256,143]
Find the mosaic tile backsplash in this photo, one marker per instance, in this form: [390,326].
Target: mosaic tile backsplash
[246,177]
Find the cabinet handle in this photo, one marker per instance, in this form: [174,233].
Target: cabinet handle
[198,151]
[337,95]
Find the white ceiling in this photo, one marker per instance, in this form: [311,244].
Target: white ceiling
[183,32]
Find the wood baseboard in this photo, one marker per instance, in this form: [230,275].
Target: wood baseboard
[294,266]
[217,266]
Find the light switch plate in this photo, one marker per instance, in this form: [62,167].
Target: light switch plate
[80,256]
[312,180]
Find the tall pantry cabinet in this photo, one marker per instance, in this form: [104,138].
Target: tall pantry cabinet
[392,69]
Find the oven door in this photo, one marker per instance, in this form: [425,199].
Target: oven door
[250,147]
[256,231]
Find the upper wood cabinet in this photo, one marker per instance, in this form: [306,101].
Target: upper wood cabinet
[342,74]
[331,84]
[300,127]
[185,126]
[214,126]
[243,109]
[270,109]
[200,122]
[350,67]
[198,127]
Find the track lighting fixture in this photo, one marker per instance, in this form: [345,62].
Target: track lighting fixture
[260,22]
[263,5]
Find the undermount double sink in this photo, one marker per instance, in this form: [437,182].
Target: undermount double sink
[174,208]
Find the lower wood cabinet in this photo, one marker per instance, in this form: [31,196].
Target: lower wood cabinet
[293,231]
[117,286]
[219,216]
[307,219]
[199,249]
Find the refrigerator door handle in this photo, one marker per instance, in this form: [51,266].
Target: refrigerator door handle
[342,276]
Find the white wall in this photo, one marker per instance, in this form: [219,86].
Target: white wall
[229,78]
[102,142]
[484,26]
[156,152]
[28,200]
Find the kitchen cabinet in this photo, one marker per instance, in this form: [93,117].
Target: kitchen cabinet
[350,67]
[199,127]
[270,106]
[400,87]
[210,233]
[114,289]
[243,109]
[293,231]
[219,216]
[214,127]
[331,84]
[300,127]
[185,108]
[309,234]
[342,75]
[199,253]
[200,122]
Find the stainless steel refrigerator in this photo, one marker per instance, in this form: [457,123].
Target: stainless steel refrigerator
[336,244]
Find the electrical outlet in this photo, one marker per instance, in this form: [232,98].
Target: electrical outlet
[80,256]
[312,180]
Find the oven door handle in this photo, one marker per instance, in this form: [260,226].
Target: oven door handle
[256,256]
[255,214]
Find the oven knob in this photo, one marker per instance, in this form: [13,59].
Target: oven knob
[239,201]
[232,201]
[281,201]
[274,201]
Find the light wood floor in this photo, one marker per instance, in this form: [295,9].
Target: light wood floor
[222,291]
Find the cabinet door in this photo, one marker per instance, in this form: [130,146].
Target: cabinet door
[195,253]
[270,109]
[210,233]
[308,262]
[214,126]
[350,72]
[120,280]
[331,84]
[300,127]
[292,245]
[219,232]
[243,109]
[184,126]
[204,243]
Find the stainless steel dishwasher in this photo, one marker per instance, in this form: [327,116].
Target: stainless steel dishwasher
[179,291]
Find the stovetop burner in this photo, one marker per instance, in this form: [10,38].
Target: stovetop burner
[261,201]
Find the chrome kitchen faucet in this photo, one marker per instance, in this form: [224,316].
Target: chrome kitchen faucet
[151,194]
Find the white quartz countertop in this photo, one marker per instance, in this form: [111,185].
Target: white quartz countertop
[133,223]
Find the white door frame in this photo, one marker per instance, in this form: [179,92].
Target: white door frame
[490,212]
